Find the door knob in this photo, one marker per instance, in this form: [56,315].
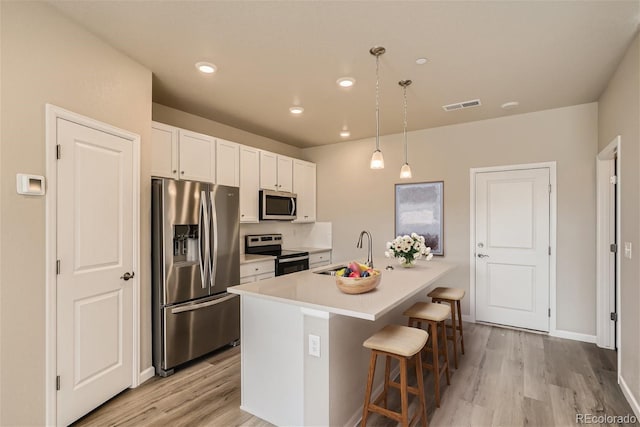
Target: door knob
[127,276]
[483,256]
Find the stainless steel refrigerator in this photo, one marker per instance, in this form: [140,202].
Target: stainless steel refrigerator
[195,257]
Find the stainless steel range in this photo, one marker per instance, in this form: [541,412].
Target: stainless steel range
[271,244]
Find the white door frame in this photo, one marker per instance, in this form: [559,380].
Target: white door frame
[53,113]
[605,288]
[552,233]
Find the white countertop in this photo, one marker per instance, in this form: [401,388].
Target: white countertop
[319,292]
[249,258]
[308,249]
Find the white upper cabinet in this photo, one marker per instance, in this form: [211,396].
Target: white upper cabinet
[227,163]
[164,150]
[197,156]
[249,183]
[285,174]
[276,172]
[304,185]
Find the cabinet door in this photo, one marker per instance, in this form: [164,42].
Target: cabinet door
[227,163]
[285,174]
[249,183]
[164,150]
[268,171]
[304,185]
[197,157]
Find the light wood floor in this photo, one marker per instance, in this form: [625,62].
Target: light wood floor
[506,378]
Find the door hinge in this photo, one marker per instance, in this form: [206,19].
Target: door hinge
[58,382]
[614,317]
[613,248]
[549,313]
[57,266]
[613,179]
[549,250]
[549,188]
[58,152]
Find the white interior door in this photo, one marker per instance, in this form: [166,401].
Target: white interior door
[95,249]
[512,248]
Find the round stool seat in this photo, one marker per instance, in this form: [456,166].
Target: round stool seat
[428,311]
[396,339]
[454,294]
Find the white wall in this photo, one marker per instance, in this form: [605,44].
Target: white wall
[619,114]
[46,58]
[354,197]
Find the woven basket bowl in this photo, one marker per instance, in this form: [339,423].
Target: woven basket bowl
[358,285]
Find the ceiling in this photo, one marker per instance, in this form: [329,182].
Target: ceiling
[272,55]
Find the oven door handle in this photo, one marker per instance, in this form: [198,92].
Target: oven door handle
[298,258]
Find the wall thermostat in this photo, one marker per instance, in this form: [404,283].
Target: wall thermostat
[30,185]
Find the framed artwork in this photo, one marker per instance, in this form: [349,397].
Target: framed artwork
[420,209]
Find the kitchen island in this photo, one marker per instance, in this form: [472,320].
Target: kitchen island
[282,382]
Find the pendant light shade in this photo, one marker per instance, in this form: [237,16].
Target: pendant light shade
[405,171]
[377,161]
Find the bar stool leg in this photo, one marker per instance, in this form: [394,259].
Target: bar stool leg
[367,395]
[403,392]
[460,321]
[387,374]
[423,406]
[433,333]
[453,329]
[446,351]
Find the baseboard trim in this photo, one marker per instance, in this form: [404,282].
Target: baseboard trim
[357,417]
[573,336]
[469,319]
[147,374]
[629,396]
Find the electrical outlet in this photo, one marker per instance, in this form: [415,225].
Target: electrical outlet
[314,345]
[627,250]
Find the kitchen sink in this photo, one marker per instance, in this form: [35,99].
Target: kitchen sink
[330,271]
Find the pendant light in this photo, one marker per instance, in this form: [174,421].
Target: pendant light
[405,171]
[377,161]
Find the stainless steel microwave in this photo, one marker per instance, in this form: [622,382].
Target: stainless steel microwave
[278,205]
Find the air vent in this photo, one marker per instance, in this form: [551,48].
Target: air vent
[461,105]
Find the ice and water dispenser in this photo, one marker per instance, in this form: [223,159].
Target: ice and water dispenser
[185,242]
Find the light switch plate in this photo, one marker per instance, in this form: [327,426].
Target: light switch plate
[627,250]
[314,345]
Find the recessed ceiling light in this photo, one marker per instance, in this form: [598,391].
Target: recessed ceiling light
[421,61]
[510,105]
[206,67]
[296,110]
[346,81]
[345,134]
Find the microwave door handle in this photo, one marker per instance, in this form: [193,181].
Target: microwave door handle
[203,226]
[213,258]
[293,205]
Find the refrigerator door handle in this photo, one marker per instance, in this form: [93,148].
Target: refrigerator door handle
[213,258]
[203,220]
[193,307]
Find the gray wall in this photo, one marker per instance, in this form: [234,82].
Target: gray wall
[171,116]
[619,114]
[48,59]
[354,197]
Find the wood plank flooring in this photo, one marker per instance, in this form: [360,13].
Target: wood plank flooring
[506,378]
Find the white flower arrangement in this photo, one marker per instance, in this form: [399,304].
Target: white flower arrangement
[407,249]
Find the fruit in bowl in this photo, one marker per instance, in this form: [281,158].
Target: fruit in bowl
[357,278]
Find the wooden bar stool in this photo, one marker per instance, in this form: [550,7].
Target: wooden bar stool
[453,297]
[434,315]
[402,343]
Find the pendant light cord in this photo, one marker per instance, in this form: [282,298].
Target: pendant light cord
[404,88]
[377,103]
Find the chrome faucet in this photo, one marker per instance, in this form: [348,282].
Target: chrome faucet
[369,262]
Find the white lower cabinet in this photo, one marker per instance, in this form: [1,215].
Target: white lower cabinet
[319,259]
[254,271]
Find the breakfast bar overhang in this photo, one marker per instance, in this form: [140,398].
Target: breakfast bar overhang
[281,381]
